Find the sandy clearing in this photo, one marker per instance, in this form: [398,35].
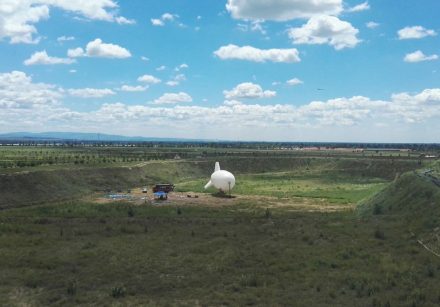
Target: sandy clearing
[209,200]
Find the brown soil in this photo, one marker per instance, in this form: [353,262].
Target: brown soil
[209,200]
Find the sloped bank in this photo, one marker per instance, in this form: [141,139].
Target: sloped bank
[24,189]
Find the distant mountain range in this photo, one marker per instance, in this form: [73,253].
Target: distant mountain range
[80,136]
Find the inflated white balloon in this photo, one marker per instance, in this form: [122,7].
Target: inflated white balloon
[221,179]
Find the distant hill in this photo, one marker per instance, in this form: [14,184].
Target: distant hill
[79,136]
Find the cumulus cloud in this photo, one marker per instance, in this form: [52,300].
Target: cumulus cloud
[149,79]
[359,8]
[249,53]
[124,21]
[282,10]
[231,102]
[419,56]
[326,30]
[172,83]
[248,90]
[129,88]
[157,22]
[91,92]
[18,17]
[253,26]
[166,17]
[97,48]
[41,58]
[415,32]
[65,38]
[27,105]
[173,98]
[294,81]
[372,25]
[17,90]
[181,66]
[160,68]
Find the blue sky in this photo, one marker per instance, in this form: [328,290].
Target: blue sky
[279,70]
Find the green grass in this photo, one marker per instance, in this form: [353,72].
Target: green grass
[329,185]
[81,253]
[73,252]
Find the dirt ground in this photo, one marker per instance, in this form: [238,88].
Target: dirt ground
[210,200]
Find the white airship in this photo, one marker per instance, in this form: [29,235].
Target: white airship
[222,180]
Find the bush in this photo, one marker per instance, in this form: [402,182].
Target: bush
[379,234]
[377,209]
[268,214]
[71,287]
[118,292]
[130,212]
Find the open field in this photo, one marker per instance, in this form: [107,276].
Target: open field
[292,235]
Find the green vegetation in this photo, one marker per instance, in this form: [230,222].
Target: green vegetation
[412,197]
[308,184]
[83,253]
[58,248]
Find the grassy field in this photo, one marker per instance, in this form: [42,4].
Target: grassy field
[330,186]
[83,253]
[259,250]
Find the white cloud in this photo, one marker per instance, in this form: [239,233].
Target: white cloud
[172,83]
[97,48]
[254,26]
[144,58]
[372,25]
[180,77]
[166,17]
[415,32]
[249,53]
[160,68]
[18,17]
[129,88]
[74,53]
[30,106]
[358,8]
[173,98]
[18,91]
[41,58]
[326,30]
[65,38]
[124,21]
[282,10]
[248,90]
[91,92]
[149,79]
[157,22]
[72,71]
[177,78]
[231,102]
[294,81]
[181,66]
[419,56]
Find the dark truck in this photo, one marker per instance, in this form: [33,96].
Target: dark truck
[163,187]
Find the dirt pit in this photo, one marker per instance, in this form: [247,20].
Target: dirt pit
[136,197]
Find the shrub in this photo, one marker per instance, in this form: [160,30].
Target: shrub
[130,212]
[377,209]
[379,234]
[268,214]
[72,287]
[118,291]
